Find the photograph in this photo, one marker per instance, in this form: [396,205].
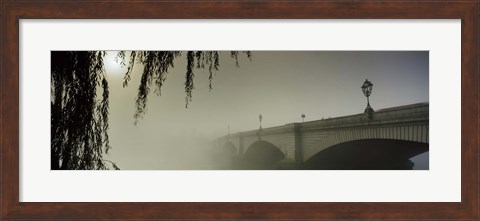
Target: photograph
[239,110]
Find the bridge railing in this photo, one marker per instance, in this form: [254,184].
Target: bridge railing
[395,115]
[419,112]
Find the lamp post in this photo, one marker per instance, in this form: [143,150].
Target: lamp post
[367,90]
[228,135]
[260,130]
[260,119]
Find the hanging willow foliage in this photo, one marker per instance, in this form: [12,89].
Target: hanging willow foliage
[156,65]
[79,120]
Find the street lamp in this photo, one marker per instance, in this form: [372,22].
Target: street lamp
[367,90]
[228,135]
[303,118]
[260,119]
[260,130]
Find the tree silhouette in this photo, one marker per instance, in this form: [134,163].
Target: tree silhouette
[79,120]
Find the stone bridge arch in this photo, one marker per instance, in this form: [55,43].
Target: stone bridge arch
[417,132]
[262,155]
[367,154]
[229,148]
[300,141]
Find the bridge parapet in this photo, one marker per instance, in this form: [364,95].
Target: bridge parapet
[416,112]
[408,113]
[300,141]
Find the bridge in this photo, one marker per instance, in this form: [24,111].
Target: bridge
[299,142]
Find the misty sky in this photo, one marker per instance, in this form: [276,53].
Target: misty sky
[279,85]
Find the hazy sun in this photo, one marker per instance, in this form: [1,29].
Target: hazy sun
[112,65]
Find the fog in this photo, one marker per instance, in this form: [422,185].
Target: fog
[279,85]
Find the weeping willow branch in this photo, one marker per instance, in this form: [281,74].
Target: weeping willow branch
[157,64]
[79,121]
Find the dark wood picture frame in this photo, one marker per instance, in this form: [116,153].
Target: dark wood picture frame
[12,11]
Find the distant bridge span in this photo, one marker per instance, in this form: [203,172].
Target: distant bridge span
[300,141]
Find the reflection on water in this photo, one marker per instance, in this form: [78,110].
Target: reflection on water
[421,161]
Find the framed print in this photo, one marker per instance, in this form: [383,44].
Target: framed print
[239,110]
[218,160]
